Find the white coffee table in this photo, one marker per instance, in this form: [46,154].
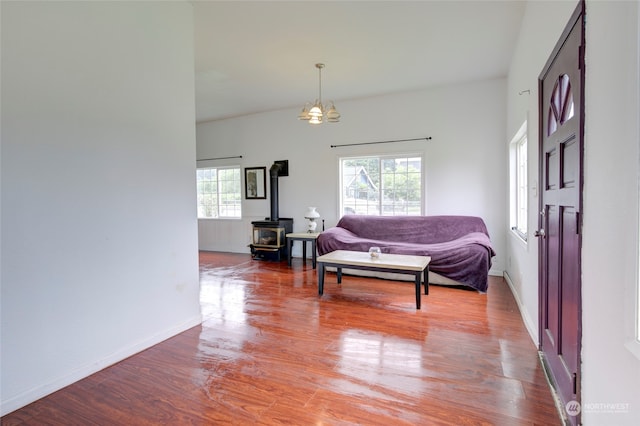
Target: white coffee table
[417,266]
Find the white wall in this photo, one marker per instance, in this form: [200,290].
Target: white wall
[610,369]
[542,25]
[465,160]
[99,236]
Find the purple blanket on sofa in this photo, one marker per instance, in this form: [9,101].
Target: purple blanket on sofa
[459,246]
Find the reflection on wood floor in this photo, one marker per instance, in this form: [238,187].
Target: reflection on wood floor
[271,351]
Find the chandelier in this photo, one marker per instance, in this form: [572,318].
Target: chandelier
[316,113]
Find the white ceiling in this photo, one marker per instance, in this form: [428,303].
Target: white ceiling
[256,56]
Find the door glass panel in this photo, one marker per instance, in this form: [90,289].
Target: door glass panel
[561,104]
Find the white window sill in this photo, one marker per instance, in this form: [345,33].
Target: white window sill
[518,237]
[634,347]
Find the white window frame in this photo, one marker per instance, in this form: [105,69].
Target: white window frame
[220,194]
[379,204]
[519,171]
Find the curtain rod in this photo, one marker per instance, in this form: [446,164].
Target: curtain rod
[428,138]
[220,158]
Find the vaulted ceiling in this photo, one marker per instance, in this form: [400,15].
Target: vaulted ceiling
[256,56]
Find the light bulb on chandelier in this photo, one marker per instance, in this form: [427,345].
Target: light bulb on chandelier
[316,113]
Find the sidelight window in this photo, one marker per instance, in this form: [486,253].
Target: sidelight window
[519,192]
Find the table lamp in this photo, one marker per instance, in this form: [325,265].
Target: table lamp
[311,215]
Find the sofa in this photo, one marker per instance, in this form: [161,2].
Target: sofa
[459,246]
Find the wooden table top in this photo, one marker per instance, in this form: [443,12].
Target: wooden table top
[303,235]
[385,260]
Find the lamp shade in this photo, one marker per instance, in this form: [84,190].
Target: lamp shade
[333,116]
[316,110]
[311,213]
[304,114]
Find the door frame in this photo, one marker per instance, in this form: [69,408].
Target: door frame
[579,13]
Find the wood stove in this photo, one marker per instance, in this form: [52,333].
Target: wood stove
[269,239]
[269,236]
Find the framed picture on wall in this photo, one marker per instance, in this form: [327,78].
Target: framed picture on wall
[255,183]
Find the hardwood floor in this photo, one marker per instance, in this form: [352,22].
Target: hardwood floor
[270,351]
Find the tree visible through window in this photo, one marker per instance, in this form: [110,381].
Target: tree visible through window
[219,192]
[382,186]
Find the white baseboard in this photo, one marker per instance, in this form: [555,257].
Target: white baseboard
[531,326]
[31,395]
[496,272]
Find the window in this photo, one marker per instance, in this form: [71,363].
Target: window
[381,185]
[560,105]
[519,191]
[219,192]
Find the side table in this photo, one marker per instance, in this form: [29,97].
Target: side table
[304,237]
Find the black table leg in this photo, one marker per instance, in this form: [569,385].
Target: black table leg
[304,251]
[418,277]
[426,280]
[339,273]
[313,253]
[320,278]
[289,252]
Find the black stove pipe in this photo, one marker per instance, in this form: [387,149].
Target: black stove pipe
[274,171]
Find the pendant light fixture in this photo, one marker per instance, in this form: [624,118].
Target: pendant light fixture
[317,113]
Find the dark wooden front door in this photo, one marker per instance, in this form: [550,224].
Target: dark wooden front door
[561,150]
